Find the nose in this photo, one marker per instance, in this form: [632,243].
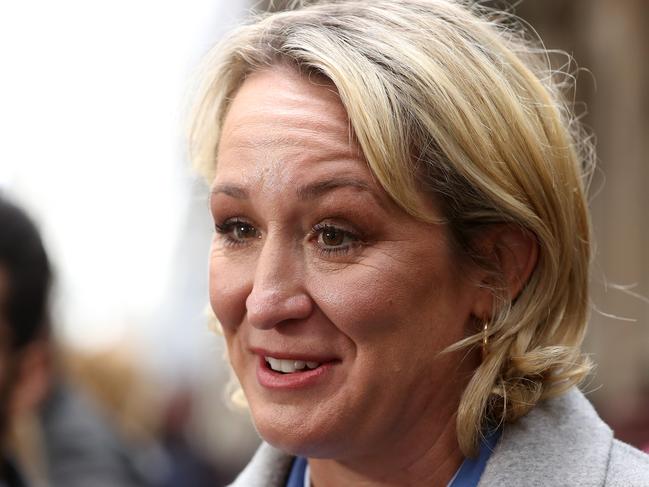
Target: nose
[278,293]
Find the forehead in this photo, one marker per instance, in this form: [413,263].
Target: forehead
[288,97]
[279,115]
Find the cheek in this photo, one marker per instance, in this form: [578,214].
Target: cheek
[393,305]
[228,290]
[360,302]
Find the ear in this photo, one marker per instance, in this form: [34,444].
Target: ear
[512,252]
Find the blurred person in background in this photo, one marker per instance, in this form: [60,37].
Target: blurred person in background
[52,432]
[158,423]
[25,278]
[401,251]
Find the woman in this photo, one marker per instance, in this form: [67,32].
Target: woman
[400,262]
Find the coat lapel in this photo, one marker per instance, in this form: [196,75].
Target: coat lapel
[561,441]
[269,467]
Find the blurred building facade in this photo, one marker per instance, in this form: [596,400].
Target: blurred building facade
[609,39]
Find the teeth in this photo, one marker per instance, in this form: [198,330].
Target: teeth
[274,364]
[289,366]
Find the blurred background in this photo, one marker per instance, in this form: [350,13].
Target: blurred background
[92,100]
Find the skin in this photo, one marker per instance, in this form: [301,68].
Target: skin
[377,289]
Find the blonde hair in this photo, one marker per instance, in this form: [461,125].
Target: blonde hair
[451,99]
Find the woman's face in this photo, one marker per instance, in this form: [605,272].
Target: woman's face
[334,302]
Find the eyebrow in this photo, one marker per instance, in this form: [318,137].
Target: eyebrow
[316,189]
[231,190]
[308,192]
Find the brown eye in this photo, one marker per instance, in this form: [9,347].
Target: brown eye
[334,241]
[243,231]
[332,237]
[235,231]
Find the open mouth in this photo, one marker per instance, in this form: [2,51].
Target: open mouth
[284,366]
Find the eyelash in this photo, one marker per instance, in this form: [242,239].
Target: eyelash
[227,228]
[318,230]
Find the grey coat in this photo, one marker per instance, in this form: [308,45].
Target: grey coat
[561,442]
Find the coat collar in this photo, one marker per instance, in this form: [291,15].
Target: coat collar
[269,467]
[561,441]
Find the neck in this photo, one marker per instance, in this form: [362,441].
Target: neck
[413,460]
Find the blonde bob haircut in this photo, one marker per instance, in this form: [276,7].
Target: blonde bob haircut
[450,99]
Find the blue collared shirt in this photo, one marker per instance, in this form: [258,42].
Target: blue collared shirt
[469,473]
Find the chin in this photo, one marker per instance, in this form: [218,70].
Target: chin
[285,431]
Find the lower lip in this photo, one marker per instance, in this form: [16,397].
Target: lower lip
[270,379]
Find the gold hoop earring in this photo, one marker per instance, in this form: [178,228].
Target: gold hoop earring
[485,340]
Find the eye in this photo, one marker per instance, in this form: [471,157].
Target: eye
[333,239]
[237,231]
[332,236]
[243,231]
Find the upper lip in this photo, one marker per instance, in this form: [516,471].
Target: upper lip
[306,357]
